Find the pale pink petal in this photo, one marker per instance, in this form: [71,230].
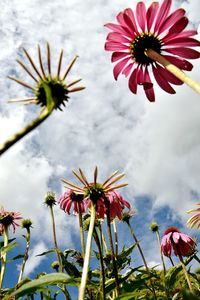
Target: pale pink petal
[183,41]
[151,13]
[141,15]
[179,62]
[173,18]
[117,37]
[162,14]
[133,81]
[118,55]
[131,19]
[185,237]
[162,81]
[128,69]
[113,46]
[175,237]
[184,52]
[119,67]
[169,76]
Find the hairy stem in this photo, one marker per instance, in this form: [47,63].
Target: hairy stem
[81,230]
[87,254]
[28,240]
[4,256]
[173,69]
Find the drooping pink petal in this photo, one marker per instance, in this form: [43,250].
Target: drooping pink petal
[128,69]
[117,37]
[179,62]
[118,55]
[121,19]
[162,81]
[187,33]
[169,76]
[162,14]
[131,19]
[148,86]
[176,28]
[171,20]
[119,67]
[184,52]
[175,237]
[140,77]
[132,83]
[151,13]
[114,46]
[141,15]
[183,41]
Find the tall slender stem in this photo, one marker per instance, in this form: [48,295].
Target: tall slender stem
[185,273]
[87,254]
[173,69]
[81,230]
[112,251]
[4,256]
[97,240]
[28,240]
[116,237]
[142,255]
[161,254]
[55,239]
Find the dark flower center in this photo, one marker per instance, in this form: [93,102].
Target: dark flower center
[7,219]
[94,192]
[77,197]
[58,90]
[140,44]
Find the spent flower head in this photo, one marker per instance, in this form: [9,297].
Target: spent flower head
[154,227]
[9,218]
[182,244]
[69,199]
[26,224]
[46,83]
[153,28]
[194,220]
[50,199]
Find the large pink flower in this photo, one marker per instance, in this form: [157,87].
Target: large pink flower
[153,28]
[182,244]
[70,198]
[8,219]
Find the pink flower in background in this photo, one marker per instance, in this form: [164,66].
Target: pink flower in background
[8,219]
[153,28]
[194,220]
[70,199]
[117,204]
[182,244]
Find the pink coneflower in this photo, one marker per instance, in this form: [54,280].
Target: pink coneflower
[194,220]
[9,218]
[157,29]
[69,199]
[181,243]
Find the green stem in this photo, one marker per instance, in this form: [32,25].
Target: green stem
[97,240]
[87,254]
[116,237]
[143,258]
[55,239]
[185,273]
[112,251]
[161,254]
[81,230]
[25,255]
[4,256]
[171,261]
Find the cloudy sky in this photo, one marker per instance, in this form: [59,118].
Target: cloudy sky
[156,144]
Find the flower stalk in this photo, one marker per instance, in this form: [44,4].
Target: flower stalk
[87,253]
[4,256]
[81,230]
[173,69]
[185,273]
[28,240]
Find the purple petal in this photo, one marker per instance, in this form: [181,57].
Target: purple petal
[169,76]
[133,81]
[151,13]
[171,19]
[126,27]
[162,81]
[113,46]
[119,67]
[141,15]
[179,26]
[187,33]
[162,14]
[118,55]
[184,52]
[179,62]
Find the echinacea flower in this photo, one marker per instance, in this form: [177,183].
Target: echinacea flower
[99,193]
[182,244]
[153,28]
[194,220]
[69,199]
[46,82]
[8,219]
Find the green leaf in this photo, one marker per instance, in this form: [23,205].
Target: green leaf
[71,269]
[189,296]
[126,296]
[18,257]
[45,253]
[36,284]
[9,241]
[110,284]
[8,248]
